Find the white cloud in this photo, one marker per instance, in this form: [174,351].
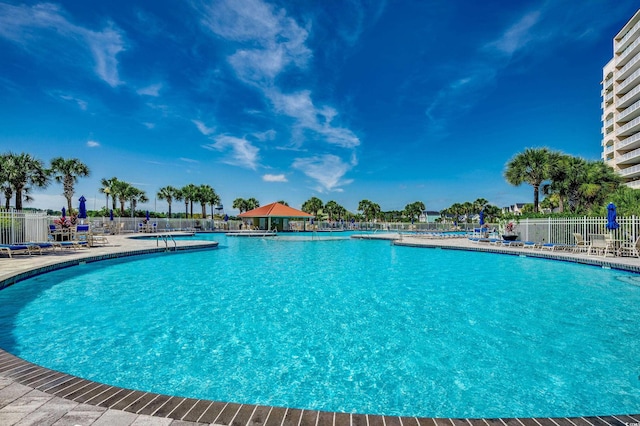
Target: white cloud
[274,178]
[152,90]
[149,125]
[327,170]
[188,160]
[203,127]
[319,120]
[81,104]
[517,36]
[242,152]
[42,27]
[277,43]
[93,144]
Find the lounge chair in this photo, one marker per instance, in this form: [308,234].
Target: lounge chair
[630,249]
[581,244]
[11,249]
[74,244]
[600,245]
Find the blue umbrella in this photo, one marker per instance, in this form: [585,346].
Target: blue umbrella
[111,214]
[612,217]
[82,210]
[481,217]
[147,215]
[226,217]
[64,212]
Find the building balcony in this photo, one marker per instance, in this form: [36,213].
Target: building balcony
[629,68]
[608,123]
[629,98]
[608,97]
[628,52]
[634,184]
[630,128]
[629,114]
[620,45]
[630,172]
[629,143]
[631,157]
[629,83]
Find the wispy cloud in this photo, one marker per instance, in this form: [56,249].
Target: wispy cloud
[534,32]
[38,27]
[203,127]
[328,170]
[270,43]
[241,152]
[274,178]
[152,90]
[149,125]
[93,144]
[189,160]
[82,104]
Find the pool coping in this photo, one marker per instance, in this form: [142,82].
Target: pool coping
[201,411]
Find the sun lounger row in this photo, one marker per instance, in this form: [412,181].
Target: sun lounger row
[39,247]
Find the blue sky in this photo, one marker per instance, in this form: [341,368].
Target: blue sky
[395,101]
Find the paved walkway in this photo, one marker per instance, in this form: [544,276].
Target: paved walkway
[32,395]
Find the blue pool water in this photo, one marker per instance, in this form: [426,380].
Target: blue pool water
[342,325]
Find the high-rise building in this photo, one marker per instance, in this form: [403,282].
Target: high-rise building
[621,104]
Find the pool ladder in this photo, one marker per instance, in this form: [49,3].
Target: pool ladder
[166,238]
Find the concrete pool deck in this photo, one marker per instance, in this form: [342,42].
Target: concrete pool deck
[33,395]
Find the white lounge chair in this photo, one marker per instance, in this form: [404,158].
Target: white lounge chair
[581,244]
[600,245]
[630,249]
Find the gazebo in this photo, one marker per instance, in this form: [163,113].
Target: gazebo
[274,216]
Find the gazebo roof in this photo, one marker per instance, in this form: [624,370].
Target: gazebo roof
[275,210]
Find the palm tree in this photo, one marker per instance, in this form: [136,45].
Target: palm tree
[167,193]
[135,196]
[369,209]
[189,193]
[5,165]
[312,206]
[207,195]
[24,170]
[252,203]
[107,189]
[67,172]
[531,166]
[120,192]
[414,210]
[334,210]
[240,204]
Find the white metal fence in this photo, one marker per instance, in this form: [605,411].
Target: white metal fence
[20,226]
[561,230]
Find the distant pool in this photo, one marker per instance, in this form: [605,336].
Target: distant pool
[341,325]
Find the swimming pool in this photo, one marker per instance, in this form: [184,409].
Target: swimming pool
[341,325]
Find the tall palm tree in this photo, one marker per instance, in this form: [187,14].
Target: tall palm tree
[6,161]
[24,171]
[414,210]
[189,194]
[120,192]
[531,166]
[135,196]
[312,206]
[252,203]
[167,193]
[369,209]
[240,204]
[107,189]
[207,195]
[67,172]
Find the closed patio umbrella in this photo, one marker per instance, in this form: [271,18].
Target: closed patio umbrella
[111,214]
[82,209]
[612,217]
[481,217]
[64,212]
[147,215]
